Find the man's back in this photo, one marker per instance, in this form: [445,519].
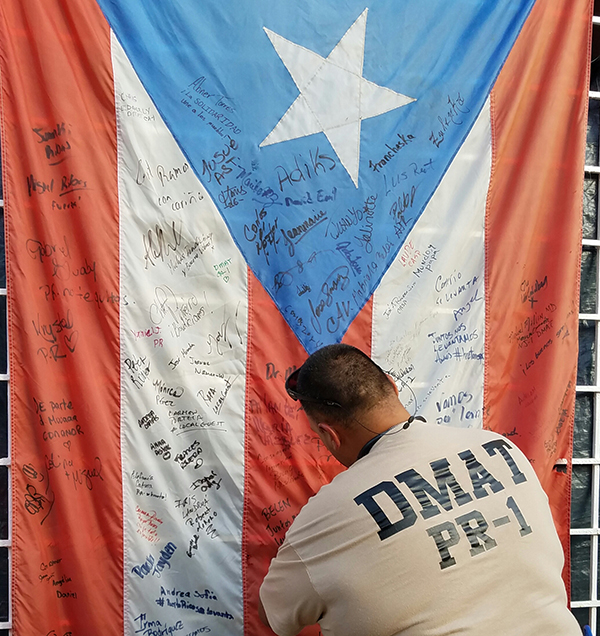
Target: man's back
[436,531]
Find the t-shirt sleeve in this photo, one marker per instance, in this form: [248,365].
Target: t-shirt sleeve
[287,594]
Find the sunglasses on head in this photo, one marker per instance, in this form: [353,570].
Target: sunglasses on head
[290,386]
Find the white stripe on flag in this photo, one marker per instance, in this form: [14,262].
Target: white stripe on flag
[183,355]
[429,311]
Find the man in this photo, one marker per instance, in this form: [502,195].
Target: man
[431,530]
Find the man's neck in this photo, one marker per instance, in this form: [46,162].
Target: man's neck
[372,425]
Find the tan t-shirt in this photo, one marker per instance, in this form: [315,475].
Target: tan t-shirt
[437,531]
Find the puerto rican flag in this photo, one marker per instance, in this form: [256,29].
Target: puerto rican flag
[198,196]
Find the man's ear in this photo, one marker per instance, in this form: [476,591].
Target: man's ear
[389,377]
[329,435]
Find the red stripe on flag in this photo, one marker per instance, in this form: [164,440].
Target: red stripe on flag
[285,462]
[62,226]
[533,231]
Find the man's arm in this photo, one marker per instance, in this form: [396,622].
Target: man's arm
[262,614]
[288,601]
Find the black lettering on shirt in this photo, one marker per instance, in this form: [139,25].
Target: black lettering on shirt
[479,540]
[502,446]
[423,490]
[445,536]
[480,477]
[386,527]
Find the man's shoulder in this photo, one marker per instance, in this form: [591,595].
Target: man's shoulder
[433,436]
[329,501]
[443,430]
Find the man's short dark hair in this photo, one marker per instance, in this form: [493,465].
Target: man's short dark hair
[344,375]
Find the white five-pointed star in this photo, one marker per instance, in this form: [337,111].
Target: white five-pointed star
[334,96]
